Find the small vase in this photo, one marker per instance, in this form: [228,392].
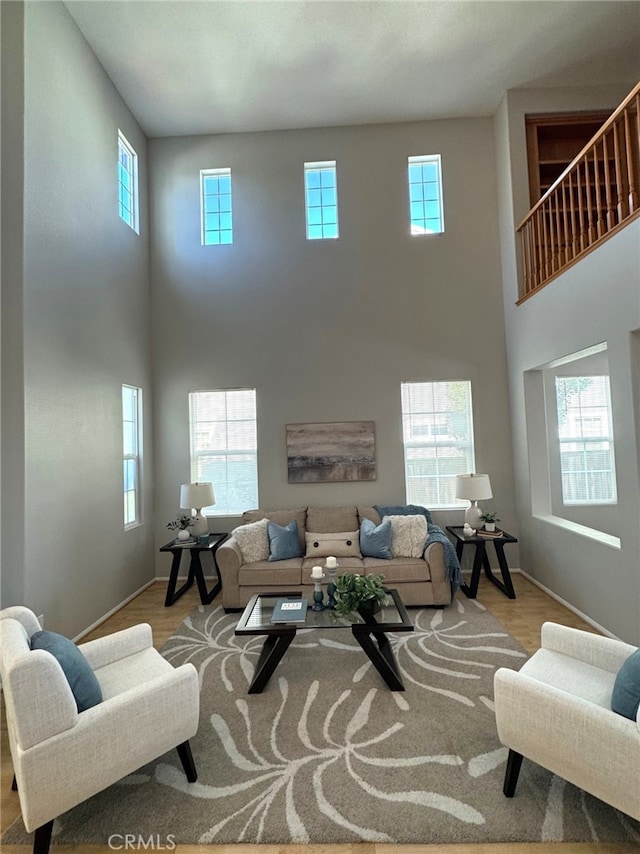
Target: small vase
[183,535]
[489,526]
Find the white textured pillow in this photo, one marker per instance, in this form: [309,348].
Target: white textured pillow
[343,544]
[253,540]
[408,535]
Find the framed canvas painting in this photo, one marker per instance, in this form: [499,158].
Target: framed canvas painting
[332,451]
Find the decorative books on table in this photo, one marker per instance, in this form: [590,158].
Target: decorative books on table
[289,610]
[490,535]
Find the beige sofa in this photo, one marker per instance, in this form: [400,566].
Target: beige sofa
[420,581]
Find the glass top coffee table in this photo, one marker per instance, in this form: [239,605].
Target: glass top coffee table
[370,634]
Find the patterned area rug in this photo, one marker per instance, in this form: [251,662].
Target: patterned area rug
[327,754]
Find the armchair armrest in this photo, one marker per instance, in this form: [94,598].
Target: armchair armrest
[103,651]
[571,737]
[143,722]
[606,653]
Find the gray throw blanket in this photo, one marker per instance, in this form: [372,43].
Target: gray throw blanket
[436,535]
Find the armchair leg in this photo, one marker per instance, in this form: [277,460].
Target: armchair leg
[514,762]
[42,839]
[184,752]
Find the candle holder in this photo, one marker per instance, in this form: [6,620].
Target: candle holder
[317,594]
[331,586]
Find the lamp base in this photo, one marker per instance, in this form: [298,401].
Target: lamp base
[472,516]
[200,525]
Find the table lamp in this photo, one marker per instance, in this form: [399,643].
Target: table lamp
[473,488]
[195,496]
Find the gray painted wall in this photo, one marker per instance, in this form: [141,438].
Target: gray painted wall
[86,331]
[327,330]
[596,300]
[12,375]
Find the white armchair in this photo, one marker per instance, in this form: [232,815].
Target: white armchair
[61,756]
[556,711]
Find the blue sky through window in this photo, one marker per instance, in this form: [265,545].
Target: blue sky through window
[425,195]
[217,224]
[321,196]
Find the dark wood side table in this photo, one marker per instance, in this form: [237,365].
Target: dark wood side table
[481,560]
[195,568]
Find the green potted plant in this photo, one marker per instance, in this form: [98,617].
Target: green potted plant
[181,524]
[362,594]
[490,520]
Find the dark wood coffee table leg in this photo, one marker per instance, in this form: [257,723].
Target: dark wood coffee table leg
[273,649]
[380,654]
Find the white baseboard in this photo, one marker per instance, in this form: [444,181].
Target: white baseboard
[568,605]
[113,610]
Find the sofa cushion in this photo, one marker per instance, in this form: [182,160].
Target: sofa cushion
[280,517]
[368,512]
[408,535]
[81,678]
[253,540]
[626,689]
[345,564]
[284,542]
[340,544]
[375,540]
[325,520]
[285,574]
[399,570]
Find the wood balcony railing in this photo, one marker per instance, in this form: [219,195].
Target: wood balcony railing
[596,195]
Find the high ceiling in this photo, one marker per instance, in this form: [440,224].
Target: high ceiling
[210,66]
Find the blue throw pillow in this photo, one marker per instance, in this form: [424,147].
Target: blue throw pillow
[626,689]
[375,541]
[284,542]
[404,510]
[81,678]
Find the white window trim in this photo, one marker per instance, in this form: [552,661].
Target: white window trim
[193,455]
[138,460]
[123,141]
[416,443]
[426,158]
[205,173]
[310,167]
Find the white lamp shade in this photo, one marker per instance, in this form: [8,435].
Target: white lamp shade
[473,487]
[196,496]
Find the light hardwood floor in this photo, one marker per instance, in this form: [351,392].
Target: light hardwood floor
[521,617]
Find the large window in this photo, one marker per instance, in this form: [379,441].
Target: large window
[585,437]
[425,194]
[131,452]
[127,183]
[321,197]
[215,207]
[437,429]
[224,447]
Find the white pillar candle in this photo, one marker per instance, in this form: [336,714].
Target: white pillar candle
[331,562]
[316,572]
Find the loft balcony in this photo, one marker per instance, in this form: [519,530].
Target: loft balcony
[595,196]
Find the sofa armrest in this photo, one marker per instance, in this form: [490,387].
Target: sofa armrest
[229,560]
[103,651]
[434,556]
[605,653]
